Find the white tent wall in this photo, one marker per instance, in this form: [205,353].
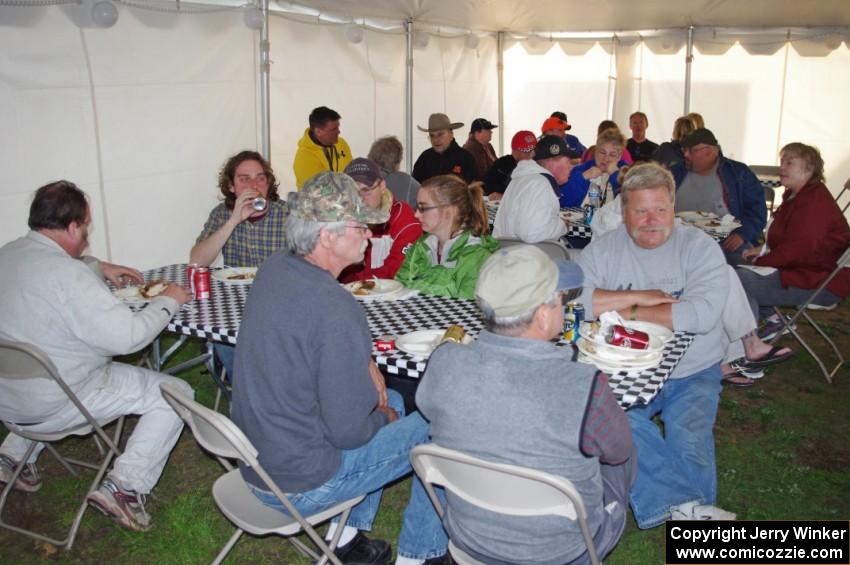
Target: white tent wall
[139,115]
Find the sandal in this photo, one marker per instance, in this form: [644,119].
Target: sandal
[771,357]
[736,380]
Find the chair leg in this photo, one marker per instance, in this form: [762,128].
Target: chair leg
[227,547]
[830,342]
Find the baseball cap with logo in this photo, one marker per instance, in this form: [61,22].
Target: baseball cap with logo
[701,135]
[523,141]
[518,279]
[479,124]
[553,146]
[332,197]
[364,171]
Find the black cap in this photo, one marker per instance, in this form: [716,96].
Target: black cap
[701,135]
[550,146]
[563,117]
[479,124]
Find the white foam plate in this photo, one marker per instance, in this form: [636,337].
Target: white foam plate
[695,216]
[130,295]
[714,224]
[613,354]
[419,343]
[572,216]
[383,288]
[612,367]
[234,275]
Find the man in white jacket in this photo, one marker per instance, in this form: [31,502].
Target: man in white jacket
[56,299]
[530,209]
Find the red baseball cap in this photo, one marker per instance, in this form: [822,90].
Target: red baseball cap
[523,141]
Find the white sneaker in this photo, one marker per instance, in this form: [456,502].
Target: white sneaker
[693,511]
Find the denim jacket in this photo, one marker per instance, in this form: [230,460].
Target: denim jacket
[743,195]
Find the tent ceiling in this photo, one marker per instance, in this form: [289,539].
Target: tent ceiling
[595,15]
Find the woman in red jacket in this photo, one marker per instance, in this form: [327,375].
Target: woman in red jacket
[807,236]
[390,241]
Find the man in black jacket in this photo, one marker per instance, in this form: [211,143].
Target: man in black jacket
[445,156]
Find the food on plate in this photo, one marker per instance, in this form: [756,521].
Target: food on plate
[362,288]
[242,277]
[713,224]
[153,288]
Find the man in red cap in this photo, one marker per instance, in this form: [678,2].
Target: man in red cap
[499,174]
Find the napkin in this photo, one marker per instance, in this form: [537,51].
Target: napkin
[612,318]
[727,220]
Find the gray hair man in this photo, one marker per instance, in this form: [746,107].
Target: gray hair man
[312,401]
[514,397]
[651,269]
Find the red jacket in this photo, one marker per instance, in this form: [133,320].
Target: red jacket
[807,237]
[403,229]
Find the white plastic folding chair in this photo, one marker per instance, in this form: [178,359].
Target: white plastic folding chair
[506,489]
[802,312]
[220,436]
[22,361]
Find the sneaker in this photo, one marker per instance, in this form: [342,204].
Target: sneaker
[125,507]
[771,328]
[27,481]
[693,511]
[364,551]
[740,367]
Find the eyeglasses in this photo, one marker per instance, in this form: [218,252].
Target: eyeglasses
[422,209]
[363,229]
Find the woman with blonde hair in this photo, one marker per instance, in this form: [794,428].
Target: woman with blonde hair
[670,152]
[603,170]
[445,261]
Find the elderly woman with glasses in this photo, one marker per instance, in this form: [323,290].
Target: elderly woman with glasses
[446,260]
[390,241]
[603,170]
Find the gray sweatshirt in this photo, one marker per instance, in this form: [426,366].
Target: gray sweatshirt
[689,266]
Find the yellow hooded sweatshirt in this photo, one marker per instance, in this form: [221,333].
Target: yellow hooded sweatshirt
[312,158]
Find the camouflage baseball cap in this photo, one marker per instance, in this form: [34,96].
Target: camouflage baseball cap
[333,197]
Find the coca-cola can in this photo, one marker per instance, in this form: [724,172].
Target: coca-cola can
[385,343]
[201,284]
[190,276]
[627,337]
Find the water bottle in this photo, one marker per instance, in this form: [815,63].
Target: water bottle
[594,196]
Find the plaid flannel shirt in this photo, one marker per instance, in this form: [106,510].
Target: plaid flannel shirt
[251,242]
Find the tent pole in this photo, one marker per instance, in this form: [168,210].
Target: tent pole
[265,117]
[689,58]
[408,95]
[500,73]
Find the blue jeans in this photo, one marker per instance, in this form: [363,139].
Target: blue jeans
[367,469]
[678,466]
[225,354]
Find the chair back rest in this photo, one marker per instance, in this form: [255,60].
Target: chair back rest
[506,489]
[214,431]
[552,249]
[20,361]
[838,198]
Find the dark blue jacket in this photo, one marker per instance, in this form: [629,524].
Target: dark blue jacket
[575,189]
[742,193]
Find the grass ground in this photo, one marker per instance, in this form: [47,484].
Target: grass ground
[782,453]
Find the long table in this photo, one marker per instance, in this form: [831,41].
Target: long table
[218,318]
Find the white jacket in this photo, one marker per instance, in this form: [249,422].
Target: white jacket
[61,304]
[529,210]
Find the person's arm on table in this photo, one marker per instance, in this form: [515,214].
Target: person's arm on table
[651,305]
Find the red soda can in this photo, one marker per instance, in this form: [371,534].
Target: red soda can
[385,343]
[627,337]
[190,276]
[201,284]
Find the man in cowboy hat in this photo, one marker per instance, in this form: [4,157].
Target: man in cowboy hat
[445,156]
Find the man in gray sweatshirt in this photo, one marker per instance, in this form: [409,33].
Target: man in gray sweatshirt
[310,399]
[651,269]
[514,397]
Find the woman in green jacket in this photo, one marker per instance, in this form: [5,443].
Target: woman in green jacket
[445,261]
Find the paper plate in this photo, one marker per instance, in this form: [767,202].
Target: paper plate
[573,216]
[612,367]
[614,354]
[419,343]
[695,216]
[382,288]
[130,295]
[714,224]
[235,275]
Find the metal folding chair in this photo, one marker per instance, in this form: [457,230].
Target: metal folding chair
[802,312]
[506,489]
[844,196]
[219,435]
[555,250]
[21,361]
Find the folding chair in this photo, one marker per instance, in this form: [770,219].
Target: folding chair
[21,361]
[219,435]
[506,489]
[555,250]
[844,195]
[802,311]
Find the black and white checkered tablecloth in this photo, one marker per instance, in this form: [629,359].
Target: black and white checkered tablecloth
[770,182]
[218,317]
[573,229]
[427,312]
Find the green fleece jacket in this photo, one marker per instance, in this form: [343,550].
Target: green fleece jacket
[457,272]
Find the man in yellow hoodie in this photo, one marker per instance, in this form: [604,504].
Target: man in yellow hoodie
[321,148]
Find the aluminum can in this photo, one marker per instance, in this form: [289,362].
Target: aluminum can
[588,213]
[259,204]
[578,318]
[570,329]
[385,343]
[201,284]
[190,276]
[627,337]
[454,333]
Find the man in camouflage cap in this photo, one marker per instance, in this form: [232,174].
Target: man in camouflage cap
[310,397]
